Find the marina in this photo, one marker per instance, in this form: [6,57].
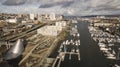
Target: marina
[82,49]
[69,47]
[90,55]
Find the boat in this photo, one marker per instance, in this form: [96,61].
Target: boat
[73,50]
[103,49]
[102,45]
[111,57]
[77,50]
[60,50]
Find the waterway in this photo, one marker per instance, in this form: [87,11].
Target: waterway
[89,51]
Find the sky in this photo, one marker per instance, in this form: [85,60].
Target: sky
[65,7]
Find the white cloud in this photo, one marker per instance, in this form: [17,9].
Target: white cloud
[67,7]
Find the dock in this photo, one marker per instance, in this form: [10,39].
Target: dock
[69,47]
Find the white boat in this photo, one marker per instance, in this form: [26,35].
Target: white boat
[102,46]
[103,49]
[113,52]
[78,41]
[61,46]
[78,35]
[59,50]
[113,58]
[77,50]
[110,44]
[110,55]
[76,44]
[106,52]
[58,57]
[66,42]
[71,41]
[73,50]
[75,26]
[116,65]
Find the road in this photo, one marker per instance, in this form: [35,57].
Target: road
[90,53]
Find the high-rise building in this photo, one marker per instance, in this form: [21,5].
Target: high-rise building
[52,16]
[32,16]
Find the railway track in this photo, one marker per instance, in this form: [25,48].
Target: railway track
[24,34]
[32,53]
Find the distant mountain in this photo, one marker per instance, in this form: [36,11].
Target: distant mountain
[102,15]
[88,16]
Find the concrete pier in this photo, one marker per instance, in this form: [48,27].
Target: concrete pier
[70,56]
[59,62]
[53,65]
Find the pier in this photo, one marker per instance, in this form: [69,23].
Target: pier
[69,47]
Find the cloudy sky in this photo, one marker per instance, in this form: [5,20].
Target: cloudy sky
[66,7]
